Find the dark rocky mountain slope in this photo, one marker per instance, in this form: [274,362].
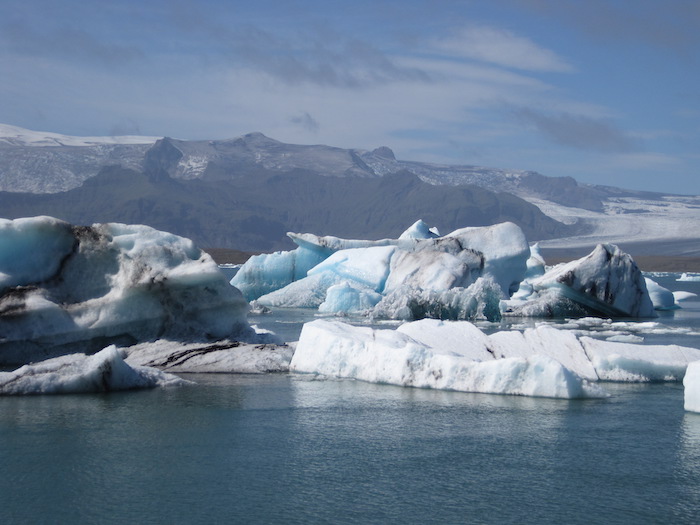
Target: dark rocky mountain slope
[252,210]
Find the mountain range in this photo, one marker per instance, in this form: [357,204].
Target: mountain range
[246,193]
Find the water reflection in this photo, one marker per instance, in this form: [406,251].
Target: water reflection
[689,467]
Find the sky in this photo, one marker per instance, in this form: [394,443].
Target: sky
[605,91]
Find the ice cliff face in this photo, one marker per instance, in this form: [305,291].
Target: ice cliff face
[65,286]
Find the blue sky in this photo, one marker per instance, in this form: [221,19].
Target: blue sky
[607,92]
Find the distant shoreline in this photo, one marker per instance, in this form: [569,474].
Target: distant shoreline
[647,263]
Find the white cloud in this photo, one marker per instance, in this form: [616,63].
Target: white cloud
[502,48]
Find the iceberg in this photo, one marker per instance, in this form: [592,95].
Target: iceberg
[456,355]
[662,298]
[681,296]
[418,274]
[336,349]
[691,385]
[420,230]
[105,371]
[686,276]
[606,283]
[225,356]
[468,274]
[616,361]
[65,287]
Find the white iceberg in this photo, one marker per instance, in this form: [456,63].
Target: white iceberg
[681,296]
[691,385]
[614,361]
[394,357]
[104,371]
[662,298]
[420,230]
[456,355]
[687,276]
[64,287]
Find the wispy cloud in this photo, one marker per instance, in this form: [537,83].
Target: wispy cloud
[578,131]
[65,43]
[502,48]
[668,25]
[306,122]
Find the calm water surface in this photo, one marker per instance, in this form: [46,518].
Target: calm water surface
[290,449]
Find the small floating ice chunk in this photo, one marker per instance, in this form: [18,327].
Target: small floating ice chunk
[681,296]
[104,371]
[662,298]
[420,230]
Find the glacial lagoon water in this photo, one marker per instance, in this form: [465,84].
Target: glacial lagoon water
[292,449]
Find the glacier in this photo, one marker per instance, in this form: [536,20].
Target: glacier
[456,355]
[105,371]
[66,288]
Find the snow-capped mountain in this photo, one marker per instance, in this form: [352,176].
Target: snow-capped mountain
[49,163]
[17,136]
